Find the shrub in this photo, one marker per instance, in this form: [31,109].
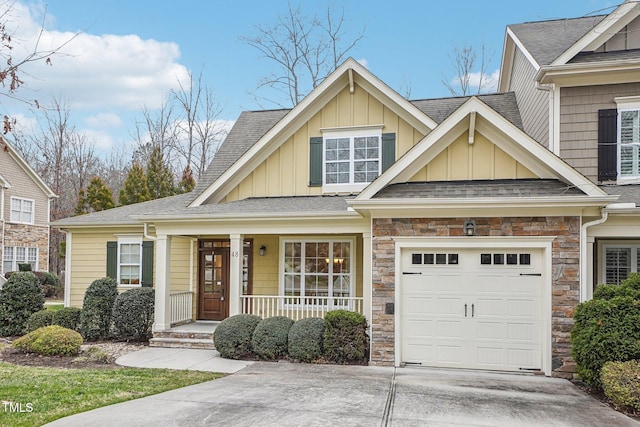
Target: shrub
[51,340]
[345,336]
[270,338]
[132,314]
[621,383]
[24,267]
[306,338]
[51,285]
[232,337]
[630,287]
[20,297]
[95,319]
[605,330]
[39,319]
[68,317]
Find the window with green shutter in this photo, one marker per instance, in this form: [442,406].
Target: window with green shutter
[130,261]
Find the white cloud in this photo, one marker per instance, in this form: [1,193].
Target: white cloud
[489,81]
[106,71]
[363,62]
[102,140]
[104,120]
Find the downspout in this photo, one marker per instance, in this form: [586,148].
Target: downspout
[584,286]
[146,234]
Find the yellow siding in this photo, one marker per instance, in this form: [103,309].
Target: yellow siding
[286,171]
[480,160]
[180,261]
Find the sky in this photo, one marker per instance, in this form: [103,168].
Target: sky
[129,54]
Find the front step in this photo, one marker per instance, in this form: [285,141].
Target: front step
[183,335]
[182,343]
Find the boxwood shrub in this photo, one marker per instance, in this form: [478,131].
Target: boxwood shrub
[68,317]
[132,314]
[270,338]
[97,306]
[621,384]
[40,319]
[306,338]
[606,329]
[232,337]
[20,297]
[345,336]
[50,340]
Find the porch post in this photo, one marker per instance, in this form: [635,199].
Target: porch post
[235,274]
[162,320]
[366,276]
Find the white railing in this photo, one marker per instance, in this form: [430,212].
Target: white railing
[297,307]
[181,306]
[2,281]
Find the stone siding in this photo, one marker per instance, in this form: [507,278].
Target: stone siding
[29,236]
[565,273]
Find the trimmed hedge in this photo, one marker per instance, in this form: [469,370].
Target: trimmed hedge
[270,338]
[20,297]
[95,320]
[606,329]
[40,319]
[68,317]
[306,338]
[232,337]
[51,340]
[132,314]
[345,336]
[621,383]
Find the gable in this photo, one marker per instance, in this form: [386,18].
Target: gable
[627,38]
[285,172]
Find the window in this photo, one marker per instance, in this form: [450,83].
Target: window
[129,261]
[629,143]
[14,255]
[619,260]
[319,270]
[21,210]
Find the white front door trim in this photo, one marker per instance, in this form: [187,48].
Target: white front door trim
[475,242]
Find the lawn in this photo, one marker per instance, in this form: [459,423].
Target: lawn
[33,396]
[54,307]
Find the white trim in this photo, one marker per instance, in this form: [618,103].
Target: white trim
[538,243]
[352,129]
[129,240]
[318,239]
[624,104]
[634,266]
[67,268]
[523,49]
[33,210]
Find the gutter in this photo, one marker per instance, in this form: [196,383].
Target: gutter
[585,293]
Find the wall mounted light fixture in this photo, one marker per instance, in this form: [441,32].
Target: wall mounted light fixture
[263,250]
[470,228]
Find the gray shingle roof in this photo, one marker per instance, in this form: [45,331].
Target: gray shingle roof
[627,193]
[618,55]
[485,188]
[440,108]
[546,40]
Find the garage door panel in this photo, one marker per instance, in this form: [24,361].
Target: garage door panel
[502,326]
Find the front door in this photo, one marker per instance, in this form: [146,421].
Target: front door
[213,284]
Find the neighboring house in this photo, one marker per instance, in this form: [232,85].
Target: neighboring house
[579,94]
[464,240]
[24,213]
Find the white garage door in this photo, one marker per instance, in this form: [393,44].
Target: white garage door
[472,308]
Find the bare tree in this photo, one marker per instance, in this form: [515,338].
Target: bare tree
[158,130]
[468,79]
[305,50]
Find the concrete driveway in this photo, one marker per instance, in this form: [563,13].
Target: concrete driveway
[284,394]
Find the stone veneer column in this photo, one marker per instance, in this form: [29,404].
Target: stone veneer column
[565,273]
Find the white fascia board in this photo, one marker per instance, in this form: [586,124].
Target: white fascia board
[586,71]
[602,32]
[246,217]
[302,113]
[506,64]
[523,49]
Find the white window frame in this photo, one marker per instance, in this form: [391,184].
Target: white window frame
[31,256]
[624,104]
[303,241]
[129,240]
[20,212]
[633,257]
[351,133]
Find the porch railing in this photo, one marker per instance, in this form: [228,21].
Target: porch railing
[297,307]
[181,306]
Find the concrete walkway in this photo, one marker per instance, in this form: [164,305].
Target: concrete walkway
[181,358]
[289,394]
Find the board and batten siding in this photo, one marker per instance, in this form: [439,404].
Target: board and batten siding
[89,261]
[579,122]
[461,161]
[23,186]
[533,103]
[286,171]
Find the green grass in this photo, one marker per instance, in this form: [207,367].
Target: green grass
[56,393]
[54,307]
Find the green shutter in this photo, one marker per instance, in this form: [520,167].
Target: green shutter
[388,150]
[147,263]
[112,260]
[315,161]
